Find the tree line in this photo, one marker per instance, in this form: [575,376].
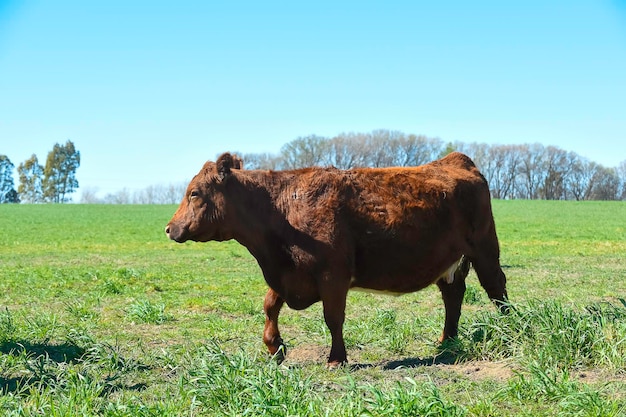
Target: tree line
[153,194]
[528,171]
[53,182]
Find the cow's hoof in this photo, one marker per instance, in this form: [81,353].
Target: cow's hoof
[447,337]
[335,364]
[280,354]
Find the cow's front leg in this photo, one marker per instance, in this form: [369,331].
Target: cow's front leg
[334,315]
[271,336]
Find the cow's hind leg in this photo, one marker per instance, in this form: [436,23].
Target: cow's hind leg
[271,336]
[452,295]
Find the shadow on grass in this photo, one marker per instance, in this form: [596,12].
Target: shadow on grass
[20,385]
[449,352]
[38,375]
[63,353]
[447,359]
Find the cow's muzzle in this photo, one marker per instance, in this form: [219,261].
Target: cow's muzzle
[175,233]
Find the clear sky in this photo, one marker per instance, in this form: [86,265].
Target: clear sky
[149,90]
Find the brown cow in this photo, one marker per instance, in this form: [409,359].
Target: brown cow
[317,232]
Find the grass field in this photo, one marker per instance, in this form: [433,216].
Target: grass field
[100,314]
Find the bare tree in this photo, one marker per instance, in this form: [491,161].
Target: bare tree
[531,170]
[261,161]
[123,196]
[497,164]
[555,168]
[349,150]
[89,195]
[605,184]
[579,179]
[173,193]
[383,147]
[513,163]
[503,167]
[153,194]
[621,172]
[304,151]
[380,147]
[342,152]
[428,149]
[149,195]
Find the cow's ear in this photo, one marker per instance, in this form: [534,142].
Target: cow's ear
[224,165]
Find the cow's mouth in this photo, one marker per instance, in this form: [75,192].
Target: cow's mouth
[182,234]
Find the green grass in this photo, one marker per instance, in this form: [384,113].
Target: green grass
[100,314]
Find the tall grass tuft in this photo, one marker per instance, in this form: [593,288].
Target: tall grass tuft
[418,400]
[144,311]
[557,336]
[239,384]
[554,387]
[37,328]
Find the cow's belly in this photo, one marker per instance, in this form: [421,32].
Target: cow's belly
[398,281]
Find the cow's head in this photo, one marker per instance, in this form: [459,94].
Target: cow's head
[203,213]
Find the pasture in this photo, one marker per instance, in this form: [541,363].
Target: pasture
[100,314]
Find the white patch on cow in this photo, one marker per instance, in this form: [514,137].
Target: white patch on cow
[448,275]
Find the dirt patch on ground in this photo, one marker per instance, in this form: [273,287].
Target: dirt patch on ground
[481,370]
[474,370]
[307,354]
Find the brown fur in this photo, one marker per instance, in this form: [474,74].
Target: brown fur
[317,232]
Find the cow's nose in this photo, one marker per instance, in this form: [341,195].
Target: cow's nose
[167,230]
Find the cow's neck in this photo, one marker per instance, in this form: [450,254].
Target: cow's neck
[258,206]
[261,224]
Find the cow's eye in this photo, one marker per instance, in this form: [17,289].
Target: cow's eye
[194,194]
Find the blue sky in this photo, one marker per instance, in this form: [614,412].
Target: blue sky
[149,90]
